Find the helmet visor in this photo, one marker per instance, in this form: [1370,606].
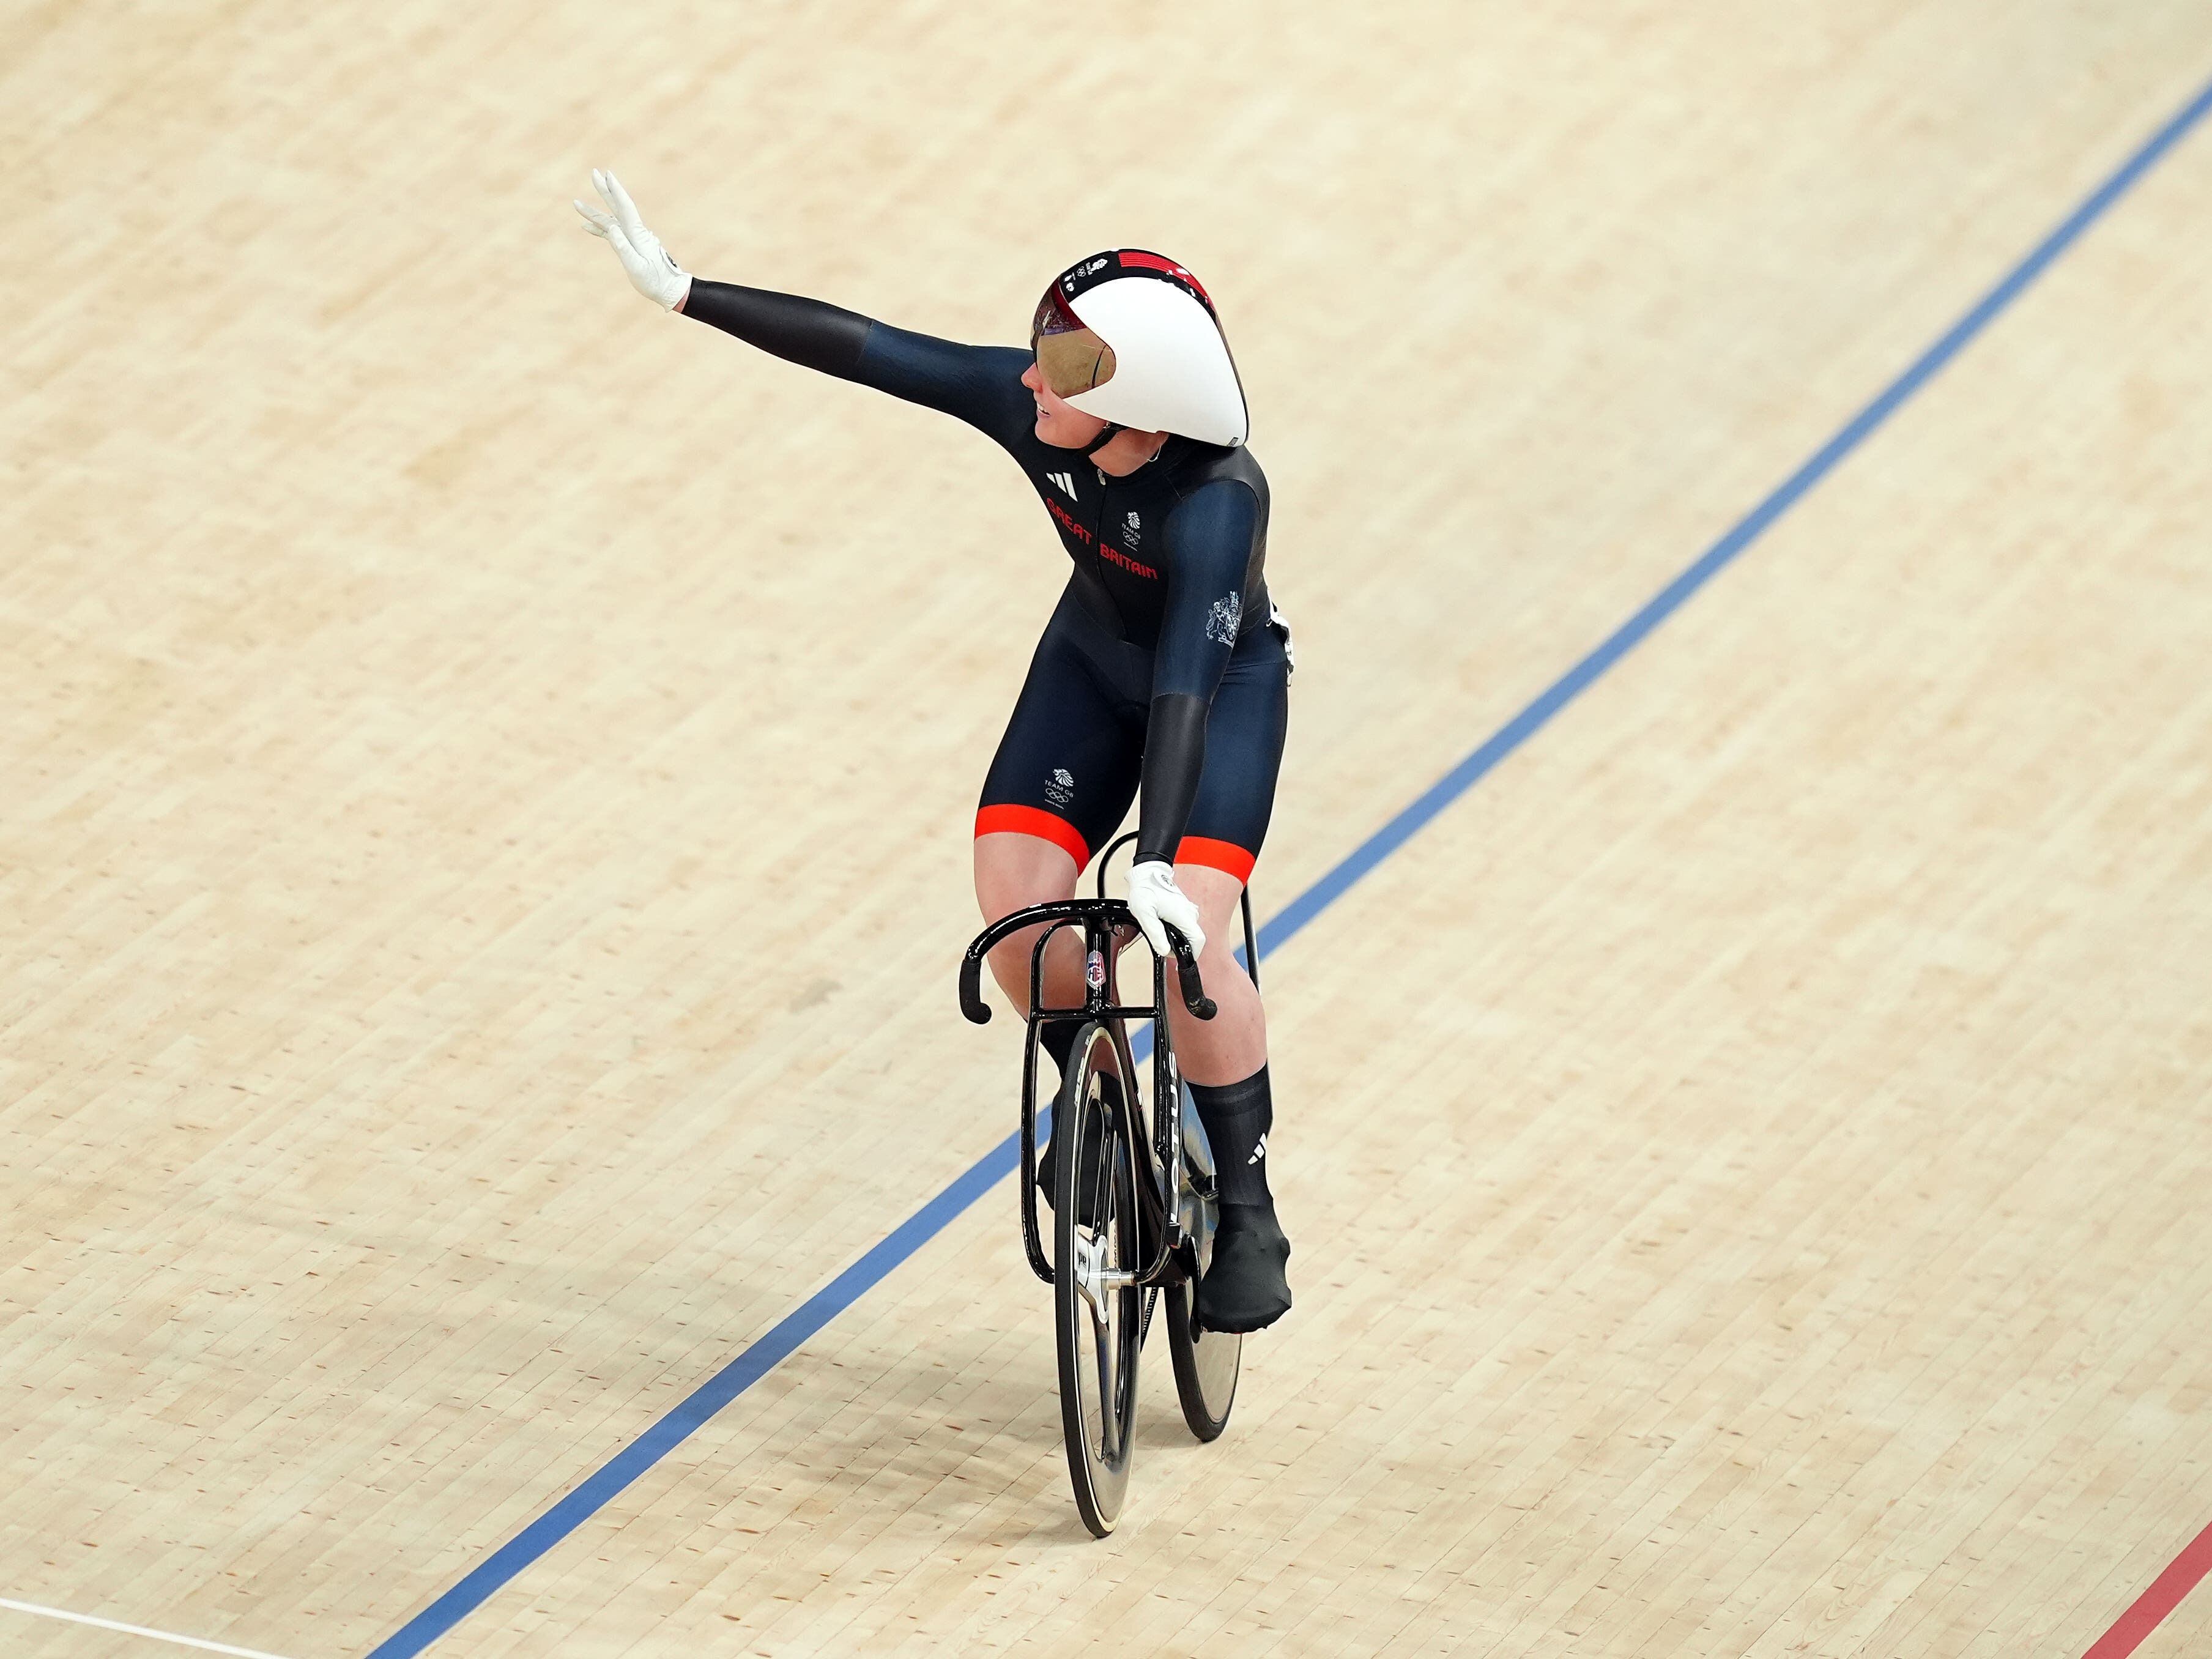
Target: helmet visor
[1071,358]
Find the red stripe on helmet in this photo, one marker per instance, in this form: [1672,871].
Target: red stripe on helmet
[1144,261]
[1140,260]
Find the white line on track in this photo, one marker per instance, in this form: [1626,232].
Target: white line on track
[138,1629]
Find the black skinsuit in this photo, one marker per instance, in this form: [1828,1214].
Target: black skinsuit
[1160,661]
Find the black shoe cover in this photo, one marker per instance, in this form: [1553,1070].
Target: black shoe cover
[1243,1288]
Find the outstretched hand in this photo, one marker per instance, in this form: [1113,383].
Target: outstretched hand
[652,268]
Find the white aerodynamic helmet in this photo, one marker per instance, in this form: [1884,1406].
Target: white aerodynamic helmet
[1131,337]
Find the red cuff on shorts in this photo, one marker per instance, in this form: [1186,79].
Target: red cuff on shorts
[1035,821]
[1225,855]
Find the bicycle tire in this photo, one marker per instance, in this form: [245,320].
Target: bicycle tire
[1206,1363]
[1098,1332]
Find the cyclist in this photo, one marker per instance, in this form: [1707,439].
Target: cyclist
[1164,664]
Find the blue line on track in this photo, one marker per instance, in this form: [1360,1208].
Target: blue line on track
[756,1361]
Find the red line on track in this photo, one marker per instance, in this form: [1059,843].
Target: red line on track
[2163,1596]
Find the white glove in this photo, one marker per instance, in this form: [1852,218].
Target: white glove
[652,270]
[1154,898]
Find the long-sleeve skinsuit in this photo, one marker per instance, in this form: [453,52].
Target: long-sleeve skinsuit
[1162,662]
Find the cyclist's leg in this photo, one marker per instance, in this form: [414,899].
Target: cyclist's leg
[1015,869]
[1233,1044]
[1064,775]
[1225,1059]
[1244,735]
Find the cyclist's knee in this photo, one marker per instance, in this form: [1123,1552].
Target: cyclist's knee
[1014,870]
[1215,892]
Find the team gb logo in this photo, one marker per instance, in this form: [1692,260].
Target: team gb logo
[1221,621]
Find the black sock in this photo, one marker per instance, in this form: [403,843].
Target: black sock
[1238,1116]
[1058,1039]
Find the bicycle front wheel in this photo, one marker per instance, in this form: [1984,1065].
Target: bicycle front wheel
[1100,1325]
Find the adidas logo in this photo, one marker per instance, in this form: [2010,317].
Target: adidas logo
[1065,481]
[1258,1152]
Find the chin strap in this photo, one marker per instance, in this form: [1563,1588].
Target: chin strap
[1104,438]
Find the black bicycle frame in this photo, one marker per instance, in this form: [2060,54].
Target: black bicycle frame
[1099,919]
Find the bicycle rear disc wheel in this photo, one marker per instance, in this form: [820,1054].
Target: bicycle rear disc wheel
[1206,1363]
[1100,1327]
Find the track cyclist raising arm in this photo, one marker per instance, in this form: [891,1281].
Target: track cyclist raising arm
[1164,664]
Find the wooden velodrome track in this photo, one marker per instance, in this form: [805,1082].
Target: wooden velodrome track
[489,768]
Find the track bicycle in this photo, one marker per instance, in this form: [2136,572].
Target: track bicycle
[1132,1201]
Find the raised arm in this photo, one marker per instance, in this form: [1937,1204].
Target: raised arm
[807,333]
[980,385]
